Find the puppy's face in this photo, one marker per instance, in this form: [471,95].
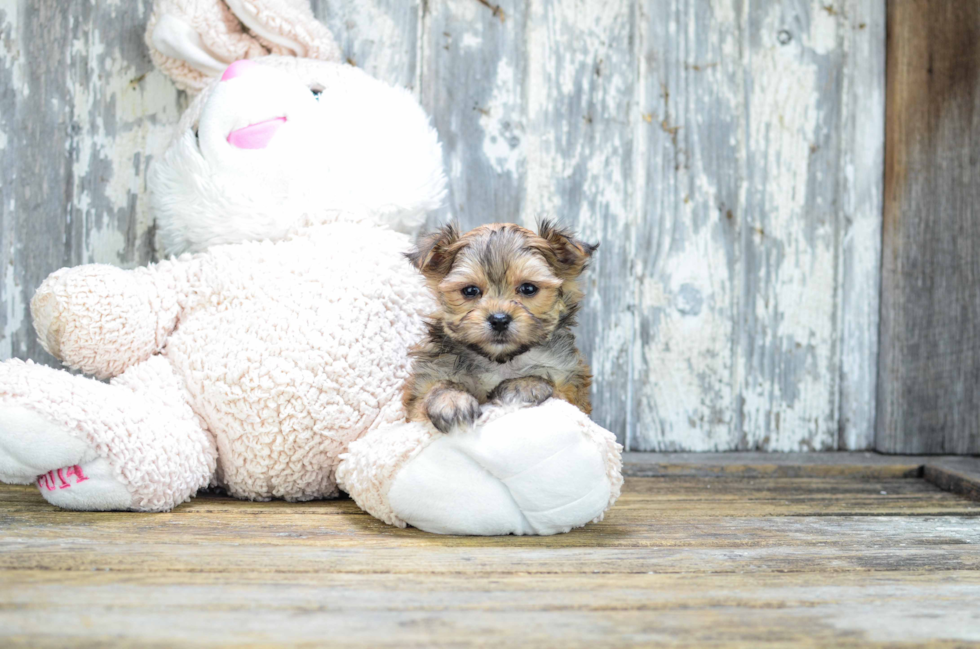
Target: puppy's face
[503,289]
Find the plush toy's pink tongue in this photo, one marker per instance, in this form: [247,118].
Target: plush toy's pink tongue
[255,136]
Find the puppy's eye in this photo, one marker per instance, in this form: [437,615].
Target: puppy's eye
[316,93]
[527,289]
[471,291]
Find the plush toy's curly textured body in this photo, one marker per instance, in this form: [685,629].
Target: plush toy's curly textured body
[283,351]
[507,302]
[282,342]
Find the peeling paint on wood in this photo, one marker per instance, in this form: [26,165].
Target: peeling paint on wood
[786,346]
[861,168]
[379,36]
[727,155]
[686,253]
[473,83]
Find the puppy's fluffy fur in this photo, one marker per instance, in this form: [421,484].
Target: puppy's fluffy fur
[508,299]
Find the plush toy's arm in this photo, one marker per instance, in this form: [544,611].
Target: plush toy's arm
[101,319]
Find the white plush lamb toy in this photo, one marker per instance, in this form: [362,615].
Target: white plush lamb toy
[268,358]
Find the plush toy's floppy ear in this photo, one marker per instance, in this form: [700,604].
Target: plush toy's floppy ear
[567,254]
[193,41]
[436,251]
[288,24]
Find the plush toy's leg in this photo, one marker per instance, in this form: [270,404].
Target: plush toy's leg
[134,444]
[457,497]
[541,470]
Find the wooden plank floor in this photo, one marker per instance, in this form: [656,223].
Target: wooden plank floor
[681,560]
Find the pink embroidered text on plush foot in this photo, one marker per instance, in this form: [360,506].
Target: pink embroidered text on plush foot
[47,480]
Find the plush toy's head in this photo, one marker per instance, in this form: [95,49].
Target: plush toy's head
[277,141]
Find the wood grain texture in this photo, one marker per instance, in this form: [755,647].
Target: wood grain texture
[82,113]
[929,363]
[832,561]
[687,610]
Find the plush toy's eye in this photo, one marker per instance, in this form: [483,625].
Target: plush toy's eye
[316,93]
[471,291]
[527,289]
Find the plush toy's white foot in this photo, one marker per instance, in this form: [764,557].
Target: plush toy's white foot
[134,444]
[541,470]
[68,471]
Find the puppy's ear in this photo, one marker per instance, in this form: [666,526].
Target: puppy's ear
[568,255]
[436,251]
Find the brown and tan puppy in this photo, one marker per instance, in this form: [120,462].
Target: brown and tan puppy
[508,299]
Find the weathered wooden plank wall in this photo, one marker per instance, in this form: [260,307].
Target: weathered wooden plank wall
[82,112]
[930,316]
[727,154]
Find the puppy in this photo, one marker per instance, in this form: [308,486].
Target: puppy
[508,299]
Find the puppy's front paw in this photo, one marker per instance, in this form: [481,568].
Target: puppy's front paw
[448,408]
[531,390]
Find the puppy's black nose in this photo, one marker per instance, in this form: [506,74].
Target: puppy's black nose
[499,321]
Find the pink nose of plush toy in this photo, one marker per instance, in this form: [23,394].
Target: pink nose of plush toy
[237,69]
